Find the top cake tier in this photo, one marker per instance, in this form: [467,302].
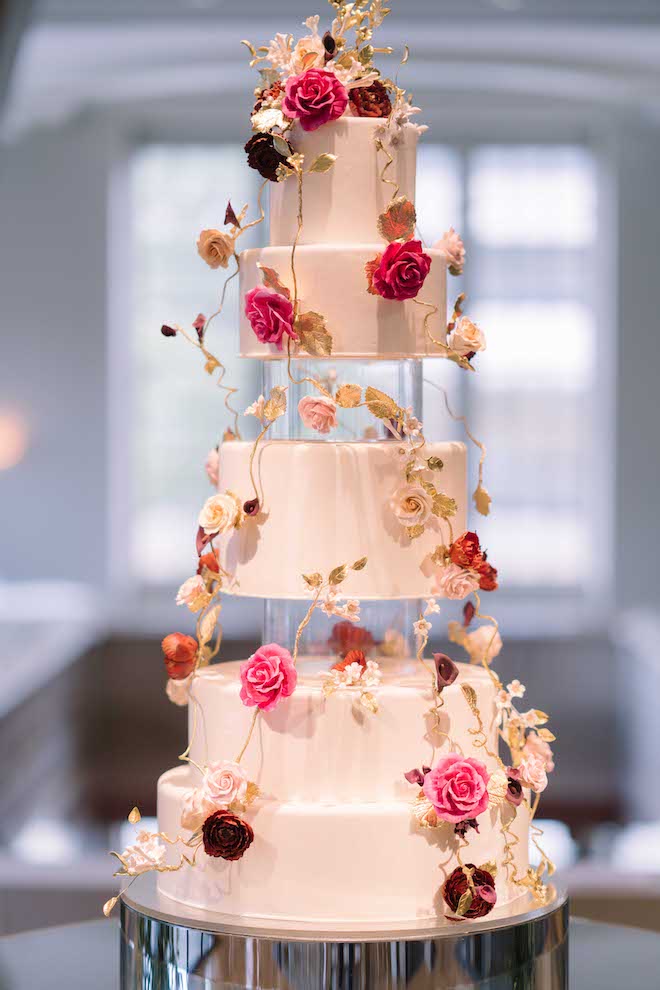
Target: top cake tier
[342,206]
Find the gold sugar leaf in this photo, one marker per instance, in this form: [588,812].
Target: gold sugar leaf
[398,221]
[541,717]
[470,695]
[359,565]
[211,364]
[366,54]
[337,574]
[250,47]
[368,701]
[546,735]
[435,464]
[251,793]
[314,336]
[281,145]
[271,280]
[406,54]
[465,903]
[109,906]
[135,816]
[482,501]
[323,163]
[444,506]
[313,580]
[414,531]
[430,488]
[381,405]
[276,405]
[489,867]
[348,396]
[208,623]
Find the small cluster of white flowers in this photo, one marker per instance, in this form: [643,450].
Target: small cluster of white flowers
[146,853]
[333,605]
[391,131]
[504,704]
[355,675]
[431,606]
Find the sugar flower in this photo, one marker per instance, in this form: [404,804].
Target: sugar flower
[483,644]
[318,413]
[224,782]
[212,466]
[466,338]
[535,746]
[412,505]
[532,771]
[457,787]
[178,691]
[220,513]
[453,249]
[267,677]
[216,247]
[197,806]
[454,582]
[257,408]
[193,593]
[146,853]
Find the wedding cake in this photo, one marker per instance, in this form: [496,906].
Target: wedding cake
[343,774]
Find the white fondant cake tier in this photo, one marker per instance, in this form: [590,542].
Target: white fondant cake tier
[342,205]
[326,504]
[330,750]
[314,862]
[332,281]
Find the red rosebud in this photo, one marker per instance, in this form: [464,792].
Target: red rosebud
[466,551]
[168,331]
[468,613]
[353,656]
[210,561]
[226,836]
[180,653]
[484,897]
[487,576]
[199,323]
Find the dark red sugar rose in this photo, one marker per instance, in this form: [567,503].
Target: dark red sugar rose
[487,576]
[353,656]
[371,101]
[226,836]
[264,156]
[484,896]
[346,636]
[399,272]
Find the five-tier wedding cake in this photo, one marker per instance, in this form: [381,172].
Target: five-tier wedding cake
[344,773]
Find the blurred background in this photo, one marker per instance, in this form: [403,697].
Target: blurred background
[121,137]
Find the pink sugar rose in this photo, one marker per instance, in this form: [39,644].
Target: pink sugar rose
[457,787]
[318,413]
[454,582]
[314,98]
[532,772]
[535,746]
[267,677]
[270,315]
[399,273]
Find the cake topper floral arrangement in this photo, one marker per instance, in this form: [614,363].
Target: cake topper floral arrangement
[304,85]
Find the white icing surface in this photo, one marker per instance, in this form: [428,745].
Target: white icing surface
[333,862]
[326,504]
[342,205]
[329,750]
[332,281]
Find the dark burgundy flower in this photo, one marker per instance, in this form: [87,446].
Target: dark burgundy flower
[346,636]
[251,507]
[226,836]
[514,791]
[468,613]
[264,156]
[168,331]
[371,101]
[446,670]
[330,45]
[202,539]
[417,776]
[466,551]
[199,323]
[179,655]
[483,898]
[462,827]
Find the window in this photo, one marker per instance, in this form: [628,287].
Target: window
[528,215]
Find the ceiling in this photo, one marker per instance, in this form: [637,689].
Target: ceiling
[81,55]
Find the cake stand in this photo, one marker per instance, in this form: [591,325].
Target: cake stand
[167,946]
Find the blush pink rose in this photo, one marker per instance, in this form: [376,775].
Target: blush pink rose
[267,677]
[401,271]
[457,787]
[533,773]
[318,413]
[314,98]
[270,315]
[455,583]
[535,746]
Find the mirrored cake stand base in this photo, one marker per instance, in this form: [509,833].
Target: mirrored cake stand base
[167,946]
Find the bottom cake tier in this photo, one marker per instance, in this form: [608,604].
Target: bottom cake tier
[349,863]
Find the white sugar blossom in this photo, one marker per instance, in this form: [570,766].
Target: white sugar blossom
[391,132]
[279,53]
[516,689]
[257,408]
[146,853]
[193,593]
[372,674]
[421,627]
[268,119]
[411,425]
[350,609]
[529,719]
[502,699]
[178,691]
[431,606]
